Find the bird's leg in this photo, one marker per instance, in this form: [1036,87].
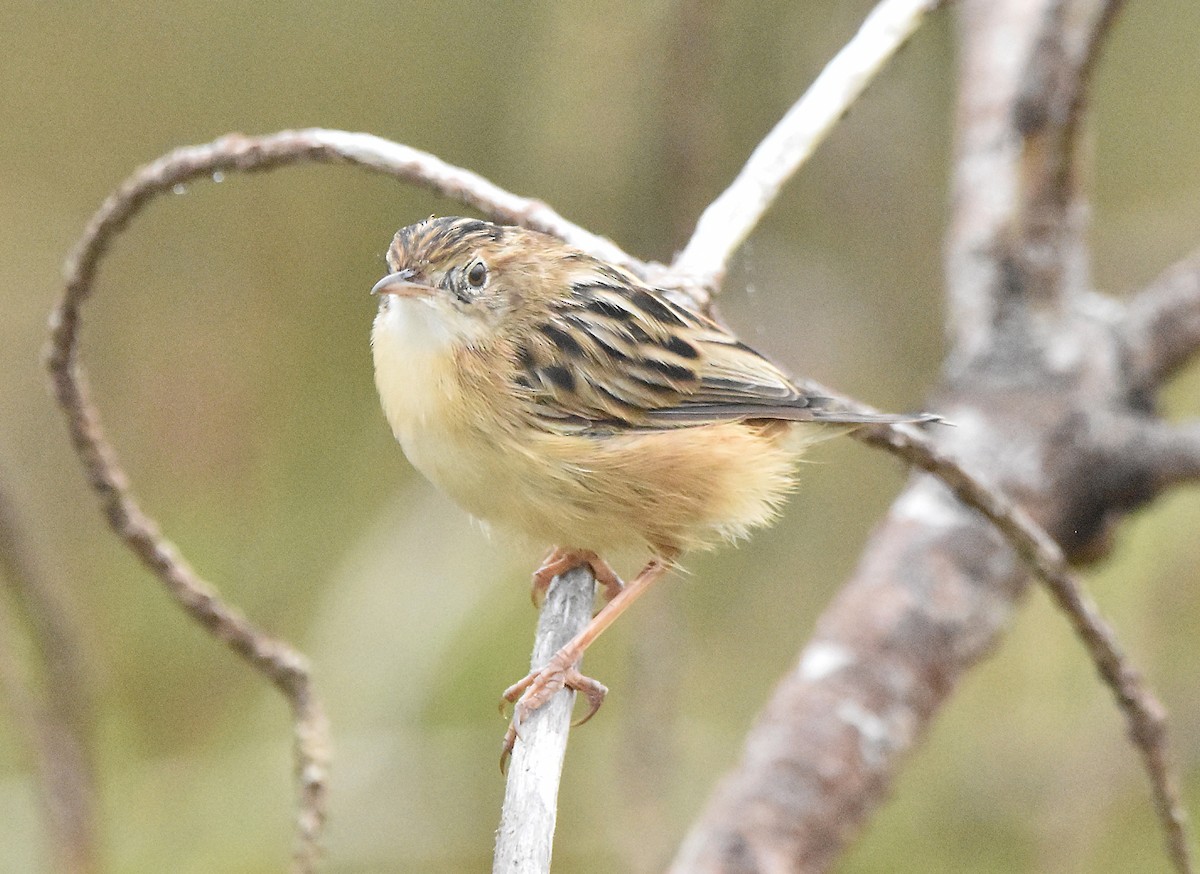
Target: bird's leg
[559,561]
[540,685]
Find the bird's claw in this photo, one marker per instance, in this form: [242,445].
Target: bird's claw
[533,691]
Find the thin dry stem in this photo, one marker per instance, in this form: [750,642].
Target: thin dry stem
[429,171]
[729,219]
[56,718]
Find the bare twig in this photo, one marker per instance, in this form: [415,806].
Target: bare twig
[421,168]
[729,219]
[56,720]
[1173,452]
[318,145]
[1162,327]
[525,837]
[61,770]
[1053,91]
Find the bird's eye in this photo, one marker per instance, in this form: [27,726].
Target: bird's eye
[477,275]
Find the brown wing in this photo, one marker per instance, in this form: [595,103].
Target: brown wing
[617,355]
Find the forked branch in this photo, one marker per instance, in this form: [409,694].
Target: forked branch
[1144,713]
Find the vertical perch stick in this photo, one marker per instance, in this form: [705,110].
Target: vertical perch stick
[526,835]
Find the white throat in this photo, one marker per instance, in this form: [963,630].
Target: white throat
[413,350]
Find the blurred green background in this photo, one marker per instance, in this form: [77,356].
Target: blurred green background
[227,346]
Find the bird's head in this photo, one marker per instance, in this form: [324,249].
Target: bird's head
[474,275]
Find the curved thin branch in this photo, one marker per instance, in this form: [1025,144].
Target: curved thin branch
[239,152]
[276,660]
[1162,325]
[429,171]
[729,219]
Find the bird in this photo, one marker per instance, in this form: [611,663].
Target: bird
[562,399]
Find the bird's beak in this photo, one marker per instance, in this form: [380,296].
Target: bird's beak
[401,284]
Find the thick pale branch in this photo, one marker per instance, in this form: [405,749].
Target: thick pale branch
[1046,115]
[1015,245]
[729,219]
[1146,716]
[932,590]
[1162,327]
[935,583]
[1051,96]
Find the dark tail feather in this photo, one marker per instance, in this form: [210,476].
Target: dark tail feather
[845,417]
[810,408]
